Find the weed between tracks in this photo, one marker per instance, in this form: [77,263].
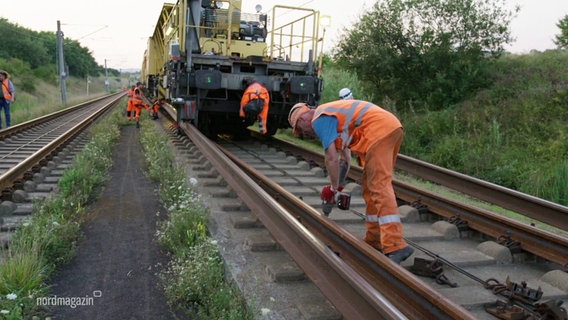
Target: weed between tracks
[50,237]
[194,279]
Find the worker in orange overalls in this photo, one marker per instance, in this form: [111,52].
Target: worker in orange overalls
[129,105]
[138,101]
[375,136]
[156,107]
[254,104]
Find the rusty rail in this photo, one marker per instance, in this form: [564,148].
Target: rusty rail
[19,171]
[354,277]
[548,212]
[535,208]
[343,286]
[536,241]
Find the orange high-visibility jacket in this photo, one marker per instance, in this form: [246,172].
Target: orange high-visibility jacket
[130,104]
[360,123]
[6,90]
[137,100]
[253,92]
[156,106]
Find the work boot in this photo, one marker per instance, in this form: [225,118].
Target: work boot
[401,255]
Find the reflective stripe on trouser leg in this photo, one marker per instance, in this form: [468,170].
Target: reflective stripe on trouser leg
[373,234]
[379,193]
[263,118]
[261,125]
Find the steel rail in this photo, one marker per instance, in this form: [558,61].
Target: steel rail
[380,273]
[343,286]
[405,291]
[351,274]
[382,278]
[539,209]
[10,131]
[535,208]
[539,242]
[536,241]
[19,171]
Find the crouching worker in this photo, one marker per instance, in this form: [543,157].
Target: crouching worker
[156,107]
[254,104]
[375,136]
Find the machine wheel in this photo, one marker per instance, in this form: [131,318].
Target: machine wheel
[271,130]
[272,127]
[205,125]
[241,133]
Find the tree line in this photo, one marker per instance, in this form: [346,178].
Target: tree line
[27,50]
[429,55]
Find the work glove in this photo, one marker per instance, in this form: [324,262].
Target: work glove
[328,195]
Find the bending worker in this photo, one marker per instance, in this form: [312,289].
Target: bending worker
[254,104]
[138,102]
[375,136]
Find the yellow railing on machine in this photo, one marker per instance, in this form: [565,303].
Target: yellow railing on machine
[295,38]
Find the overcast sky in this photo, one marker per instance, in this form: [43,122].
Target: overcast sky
[117,31]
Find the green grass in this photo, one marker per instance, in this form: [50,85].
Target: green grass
[315,145]
[514,133]
[50,237]
[46,98]
[22,276]
[194,280]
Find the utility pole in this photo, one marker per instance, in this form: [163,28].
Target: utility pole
[61,62]
[107,83]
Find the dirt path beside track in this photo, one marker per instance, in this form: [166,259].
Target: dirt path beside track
[118,259]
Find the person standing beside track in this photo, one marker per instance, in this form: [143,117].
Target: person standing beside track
[129,106]
[375,136]
[7,96]
[254,104]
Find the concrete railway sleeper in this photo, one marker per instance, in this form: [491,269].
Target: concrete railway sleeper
[303,179]
[519,284]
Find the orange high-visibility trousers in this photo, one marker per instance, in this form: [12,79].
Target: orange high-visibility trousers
[384,226]
[137,109]
[129,109]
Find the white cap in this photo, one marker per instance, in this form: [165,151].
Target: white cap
[345,94]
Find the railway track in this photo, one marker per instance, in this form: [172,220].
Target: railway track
[34,155]
[293,262]
[469,262]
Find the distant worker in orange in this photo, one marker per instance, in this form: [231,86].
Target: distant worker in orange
[138,101]
[375,136]
[7,96]
[130,105]
[254,104]
[156,107]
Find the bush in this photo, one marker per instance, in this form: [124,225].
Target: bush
[513,134]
